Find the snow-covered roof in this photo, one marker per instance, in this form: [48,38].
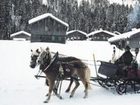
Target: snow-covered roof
[124,35]
[101,30]
[72,31]
[20,32]
[116,32]
[38,18]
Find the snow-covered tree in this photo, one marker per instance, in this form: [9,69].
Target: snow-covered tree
[5,19]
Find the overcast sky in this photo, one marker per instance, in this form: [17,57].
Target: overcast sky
[111,1]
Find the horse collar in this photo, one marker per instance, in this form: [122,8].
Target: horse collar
[51,62]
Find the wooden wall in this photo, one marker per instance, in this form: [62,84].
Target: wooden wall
[48,30]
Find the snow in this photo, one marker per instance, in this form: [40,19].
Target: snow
[18,86]
[101,30]
[125,2]
[20,32]
[72,31]
[123,36]
[43,16]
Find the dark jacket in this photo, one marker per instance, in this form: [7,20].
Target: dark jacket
[125,59]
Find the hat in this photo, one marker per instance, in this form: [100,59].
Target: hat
[127,48]
[47,49]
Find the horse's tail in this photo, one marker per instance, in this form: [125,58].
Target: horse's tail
[88,78]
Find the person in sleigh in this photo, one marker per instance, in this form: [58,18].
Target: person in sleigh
[124,62]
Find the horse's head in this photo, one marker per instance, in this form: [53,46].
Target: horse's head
[44,57]
[34,57]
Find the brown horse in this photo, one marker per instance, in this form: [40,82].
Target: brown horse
[63,67]
[34,57]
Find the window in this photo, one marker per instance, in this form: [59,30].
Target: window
[46,28]
[59,38]
[127,42]
[53,38]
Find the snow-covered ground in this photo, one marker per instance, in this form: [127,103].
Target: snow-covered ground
[18,85]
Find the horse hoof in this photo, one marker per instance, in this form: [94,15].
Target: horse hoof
[61,97]
[85,97]
[71,96]
[45,101]
[67,90]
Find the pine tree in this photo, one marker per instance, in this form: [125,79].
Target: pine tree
[5,19]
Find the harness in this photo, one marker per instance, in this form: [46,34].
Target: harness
[63,71]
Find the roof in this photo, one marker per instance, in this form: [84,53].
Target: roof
[20,32]
[101,30]
[124,35]
[116,32]
[46,15]
[72,31]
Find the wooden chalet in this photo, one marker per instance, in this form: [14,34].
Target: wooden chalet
[48,28]
[76,35]
[21,35]
[131,38]
[100,35]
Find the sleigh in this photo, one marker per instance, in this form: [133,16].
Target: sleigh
[109,77]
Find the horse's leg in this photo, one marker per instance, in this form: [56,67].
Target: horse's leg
[86,88]
[84,76]
[76,86]
[51,85]
[55,88]
[58,86]
[71,81]
[47,83]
